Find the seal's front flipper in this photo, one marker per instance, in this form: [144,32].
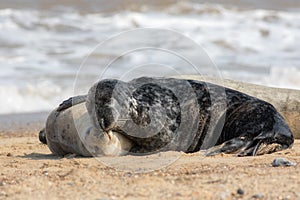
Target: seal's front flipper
[268,148]
[261,147]
[265,143]
[239,146]
[231,146]
[71,102]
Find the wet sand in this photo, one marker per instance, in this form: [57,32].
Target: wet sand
[28,170]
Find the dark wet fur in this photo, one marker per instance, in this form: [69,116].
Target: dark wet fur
[250,123]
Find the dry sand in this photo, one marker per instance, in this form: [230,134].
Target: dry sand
[29,171]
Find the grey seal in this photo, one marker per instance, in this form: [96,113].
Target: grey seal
[149,115]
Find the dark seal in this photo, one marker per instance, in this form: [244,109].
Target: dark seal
[161,114]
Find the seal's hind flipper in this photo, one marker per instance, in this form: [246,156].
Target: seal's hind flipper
[71,102]
[42,136]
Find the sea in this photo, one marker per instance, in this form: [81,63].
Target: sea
[51,50]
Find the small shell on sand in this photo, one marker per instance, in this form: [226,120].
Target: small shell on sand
[282,162]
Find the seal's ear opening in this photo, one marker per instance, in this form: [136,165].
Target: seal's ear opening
[42,136]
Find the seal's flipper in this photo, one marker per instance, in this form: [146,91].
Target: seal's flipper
[71,102]
[264,143]
[252,127]
[42,136]
[230,146]
[238,146]
[268,148]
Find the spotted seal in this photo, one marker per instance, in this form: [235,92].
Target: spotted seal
[162,114]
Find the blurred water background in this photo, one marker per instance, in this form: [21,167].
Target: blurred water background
[43,43]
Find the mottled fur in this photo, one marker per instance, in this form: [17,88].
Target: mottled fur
[231,120]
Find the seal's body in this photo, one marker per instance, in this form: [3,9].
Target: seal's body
[159,114]
[69,131]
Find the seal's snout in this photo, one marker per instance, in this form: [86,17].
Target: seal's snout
[106,118]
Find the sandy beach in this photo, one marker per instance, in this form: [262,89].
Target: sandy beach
[28,170]
[53,50]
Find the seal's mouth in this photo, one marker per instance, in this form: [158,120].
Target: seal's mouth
[108,133]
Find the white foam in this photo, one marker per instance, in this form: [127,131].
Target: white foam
[41,51]
[284,77]
[30,98]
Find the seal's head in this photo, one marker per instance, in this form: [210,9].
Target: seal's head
[106,101]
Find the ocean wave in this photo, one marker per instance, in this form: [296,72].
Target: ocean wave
[44,48]
[28,98]
[284,76]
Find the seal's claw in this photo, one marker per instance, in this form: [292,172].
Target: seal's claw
[269,148]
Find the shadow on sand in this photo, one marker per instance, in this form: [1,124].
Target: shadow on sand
[41,156]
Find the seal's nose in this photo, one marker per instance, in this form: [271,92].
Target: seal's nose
[106,118]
